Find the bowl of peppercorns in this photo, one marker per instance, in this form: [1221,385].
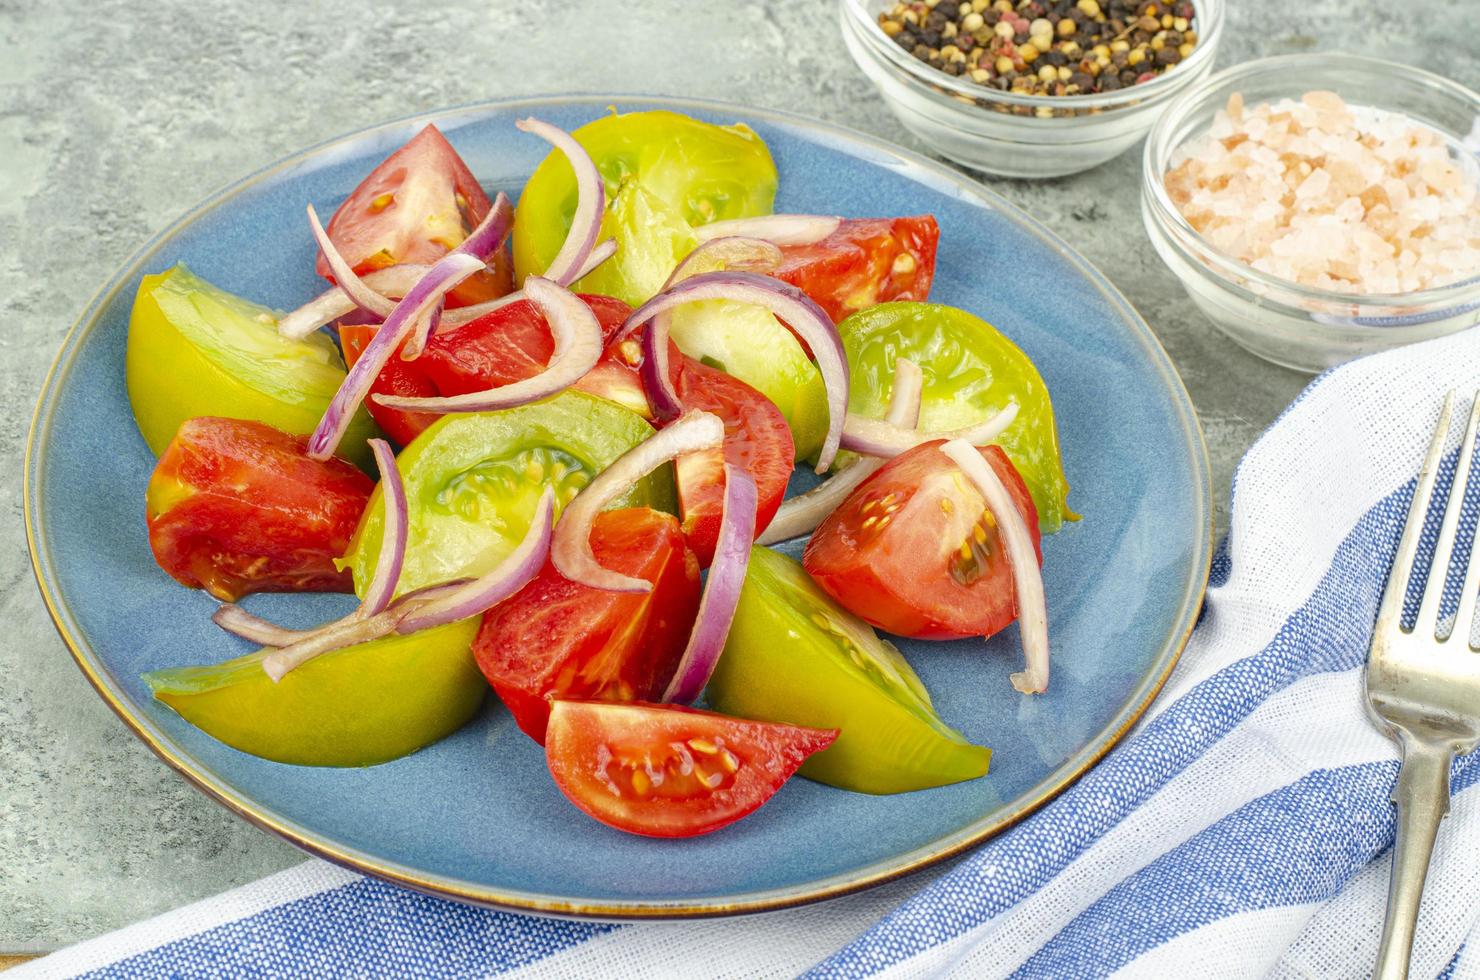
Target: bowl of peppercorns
[1031,88]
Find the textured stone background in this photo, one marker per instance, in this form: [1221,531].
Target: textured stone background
[116,116]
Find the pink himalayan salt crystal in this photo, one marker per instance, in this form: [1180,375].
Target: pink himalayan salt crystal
[1345,198]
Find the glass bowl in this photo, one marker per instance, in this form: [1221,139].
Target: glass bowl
[1032,136]
[1302,327]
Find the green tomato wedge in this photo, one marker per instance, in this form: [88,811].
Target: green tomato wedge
[473,480]
[971,372]
[795,656]
[635,214]
[749,343]
[358,706]
[690,173]
[196,350]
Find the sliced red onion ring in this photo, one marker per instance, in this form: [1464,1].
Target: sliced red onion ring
[358,292]
[334,303]
[721,589]
[237,621]
[800,515]
[481,243]
[453,319]
[585,225]
[804,316]
[489,235]
[448,271]
[491,588]
[780,229]
[729,252]
[393,539]
[336,636]
[570,549]
[876,437]
[1027,577]
[577,335]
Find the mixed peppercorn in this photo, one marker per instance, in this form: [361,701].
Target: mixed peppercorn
[1046,47]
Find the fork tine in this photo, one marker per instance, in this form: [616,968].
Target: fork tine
[1427,623]
[1464,617]
[1390,613]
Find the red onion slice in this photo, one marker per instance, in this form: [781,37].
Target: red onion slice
[721,589]
[463,315]
[1027,577]
[393,539]
[577,335]
[585,224]
[729,252]
[800,515]
[348,280]
[238,622]
[443,276]
[804,316]
[489,589]
[779,229]
[391,282]
[336,636]
[877,437]
[570,549]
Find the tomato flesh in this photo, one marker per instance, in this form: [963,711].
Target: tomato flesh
[757,439]
[236,506]
[510,344]
[474,479]
[415,207]
[864,262]
[559,639]
[914,551]
[668,771]
[398,377]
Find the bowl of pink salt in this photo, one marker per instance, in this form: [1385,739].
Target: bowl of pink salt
[1321,207]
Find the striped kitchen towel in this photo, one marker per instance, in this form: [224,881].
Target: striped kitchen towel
[1241,831]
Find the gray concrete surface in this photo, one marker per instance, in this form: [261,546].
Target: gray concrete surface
[116,115]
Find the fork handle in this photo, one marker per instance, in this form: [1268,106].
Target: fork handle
[1422,798]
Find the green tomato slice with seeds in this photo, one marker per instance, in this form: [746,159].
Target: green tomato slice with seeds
[796,656]
[971,371]
[473,480]
[195,350]
[685,173]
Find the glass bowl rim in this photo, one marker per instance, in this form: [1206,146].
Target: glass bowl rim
[1166,84]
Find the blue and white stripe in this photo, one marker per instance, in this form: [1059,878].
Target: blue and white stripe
[1241,831]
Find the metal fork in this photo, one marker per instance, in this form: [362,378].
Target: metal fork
[1424,690]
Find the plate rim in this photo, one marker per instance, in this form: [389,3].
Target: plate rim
[769,899]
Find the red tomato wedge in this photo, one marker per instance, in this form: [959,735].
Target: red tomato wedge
[507,345]
[398,377]
[866,261]
[416,206]
[236,506]
[510,344]
[757,439]
[914,550]
[558,639]
[665,771]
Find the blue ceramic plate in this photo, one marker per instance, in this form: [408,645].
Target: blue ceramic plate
[476,816]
